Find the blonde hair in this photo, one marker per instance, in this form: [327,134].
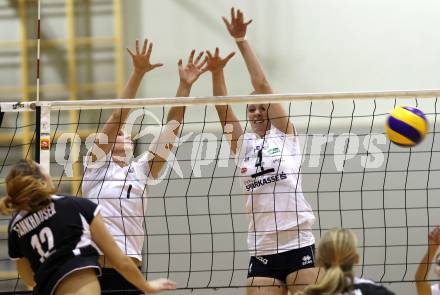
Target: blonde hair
[27,188]
[337,254]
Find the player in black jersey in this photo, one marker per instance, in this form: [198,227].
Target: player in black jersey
[337,254]
[52,238]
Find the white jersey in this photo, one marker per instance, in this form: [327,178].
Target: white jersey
[120,191]
[435,289]
[270,175]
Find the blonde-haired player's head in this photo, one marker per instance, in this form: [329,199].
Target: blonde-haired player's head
[336,253]
[124,147]
[258,118]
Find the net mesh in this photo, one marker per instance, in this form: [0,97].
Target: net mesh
[196,224]
[17,137]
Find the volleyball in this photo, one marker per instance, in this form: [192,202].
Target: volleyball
[406,126]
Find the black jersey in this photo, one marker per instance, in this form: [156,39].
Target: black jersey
[367,287]
[56,240]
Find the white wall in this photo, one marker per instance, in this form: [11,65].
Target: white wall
[305,46]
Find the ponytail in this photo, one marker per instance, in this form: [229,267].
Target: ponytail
[336,255]
[335,281]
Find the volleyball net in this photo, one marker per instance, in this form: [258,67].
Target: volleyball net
[196,224]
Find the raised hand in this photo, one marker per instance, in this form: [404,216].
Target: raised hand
[434,236]
[214,63]
[191,72]
[160,285]
[237,27]
[141,59]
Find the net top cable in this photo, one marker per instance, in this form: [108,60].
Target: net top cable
[210,100]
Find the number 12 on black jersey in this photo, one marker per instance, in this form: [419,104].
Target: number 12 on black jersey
[45,236]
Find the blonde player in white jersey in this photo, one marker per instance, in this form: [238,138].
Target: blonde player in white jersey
[280,236]
[424,287]
[117,184]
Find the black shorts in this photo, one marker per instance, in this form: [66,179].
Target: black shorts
[279,266]
[75,263]
[112,282]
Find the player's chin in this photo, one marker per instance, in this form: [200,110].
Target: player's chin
[259,128]
[121,149]
[122,154]
[255,127]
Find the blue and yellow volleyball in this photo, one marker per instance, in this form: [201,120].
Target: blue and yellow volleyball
[406,126]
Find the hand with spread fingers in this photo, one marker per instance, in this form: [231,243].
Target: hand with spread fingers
[237,27]
[141,59]
[214,63]
[192,70]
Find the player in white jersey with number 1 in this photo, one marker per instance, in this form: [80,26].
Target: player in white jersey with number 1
[424,287]
[280,236]
[120,185]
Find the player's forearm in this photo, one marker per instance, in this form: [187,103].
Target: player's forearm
[129,91]
[176,114]
[175,119]
[425,263]
[183,90]
[256,72]
[278,115]
[133,83]
[131,273]
[230,125]
[219,89]
[225,114]
[219,84]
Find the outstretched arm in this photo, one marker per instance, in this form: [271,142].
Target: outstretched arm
[141,65]
[237,28]
[123,264]
[423,287]
[188,75]
[228,120]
